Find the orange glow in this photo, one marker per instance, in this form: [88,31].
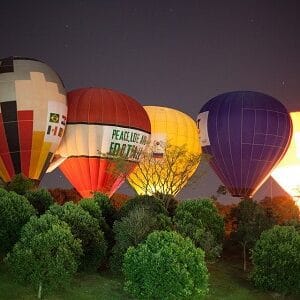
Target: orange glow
[287,172]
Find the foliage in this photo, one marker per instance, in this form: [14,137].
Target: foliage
[133,229]
[118,199]
[295,223]
[249,221]
[92,207]
[86,228]
[20,184]
[199,220]
[165,266]
[276,259]
[108,211]
[282,208]
[169,202]
[46,254]
[15,211]
[225,211]
[40,199]
[61,196]
[150,203]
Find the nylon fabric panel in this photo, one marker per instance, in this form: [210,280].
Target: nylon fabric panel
[106,182]
[35,90]
[25,123]
[246,138]
[174,128]
[4,151]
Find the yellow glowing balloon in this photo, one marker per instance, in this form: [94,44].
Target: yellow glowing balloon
[172,132]
[287,172]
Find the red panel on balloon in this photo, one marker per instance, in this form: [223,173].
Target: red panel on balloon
[105,106]
[4,151]
[25,123]
[90,175]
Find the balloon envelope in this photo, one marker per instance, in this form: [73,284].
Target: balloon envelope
[174,128]
[287,172]
[32,116]
[246,134]
[102,124]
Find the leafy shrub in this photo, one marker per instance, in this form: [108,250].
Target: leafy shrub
[165,266]
[15,211]
[86,228]
[276,259]
[20,184]
[40,199]
[108,211]
[150,203]
[199,220]
[92,207]
[132,230]
[249,220]
[169,202]
[46,255]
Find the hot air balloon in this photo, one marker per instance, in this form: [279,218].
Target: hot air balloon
[246,133]
[287,172]
[102,125]
[166,167]
[33,115]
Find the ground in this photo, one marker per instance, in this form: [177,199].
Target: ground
[227,282]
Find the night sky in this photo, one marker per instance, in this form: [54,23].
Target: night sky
[177,54]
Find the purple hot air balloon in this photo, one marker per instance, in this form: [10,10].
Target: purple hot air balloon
[246,133]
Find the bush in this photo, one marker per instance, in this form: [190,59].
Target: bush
[46,255]
[150,203]
[20,184]
[132,230]
[15,211]
[276,259]
[169,202]
[86,228]
[92,207]
[40,199]
[108,211]
[199,220]
[165,266]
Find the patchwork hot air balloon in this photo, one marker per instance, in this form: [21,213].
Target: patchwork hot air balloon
[33,115]
[246,133]
[287,172]
[103,125]
[173,154]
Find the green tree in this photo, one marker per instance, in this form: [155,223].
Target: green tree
[46,255]
[276,259]
[199,220]
[40,199]
[149,203]
[93,208]
[15,211]
[86,228]
[165,266]
[107,209]
[133,229]
[20,184]
[249,221]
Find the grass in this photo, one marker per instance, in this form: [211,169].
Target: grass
[227,282]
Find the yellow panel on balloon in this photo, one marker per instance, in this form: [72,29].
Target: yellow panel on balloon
[171,132]
[287,171]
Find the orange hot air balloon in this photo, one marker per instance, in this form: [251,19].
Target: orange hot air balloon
[287,172]
[33,115]
[102,123]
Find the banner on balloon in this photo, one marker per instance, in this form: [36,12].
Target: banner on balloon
[128,143]
[56,122]
[202,127]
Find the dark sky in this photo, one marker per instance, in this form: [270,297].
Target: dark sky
[169,53]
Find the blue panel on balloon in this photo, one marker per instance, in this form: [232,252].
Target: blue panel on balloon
[245,133]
